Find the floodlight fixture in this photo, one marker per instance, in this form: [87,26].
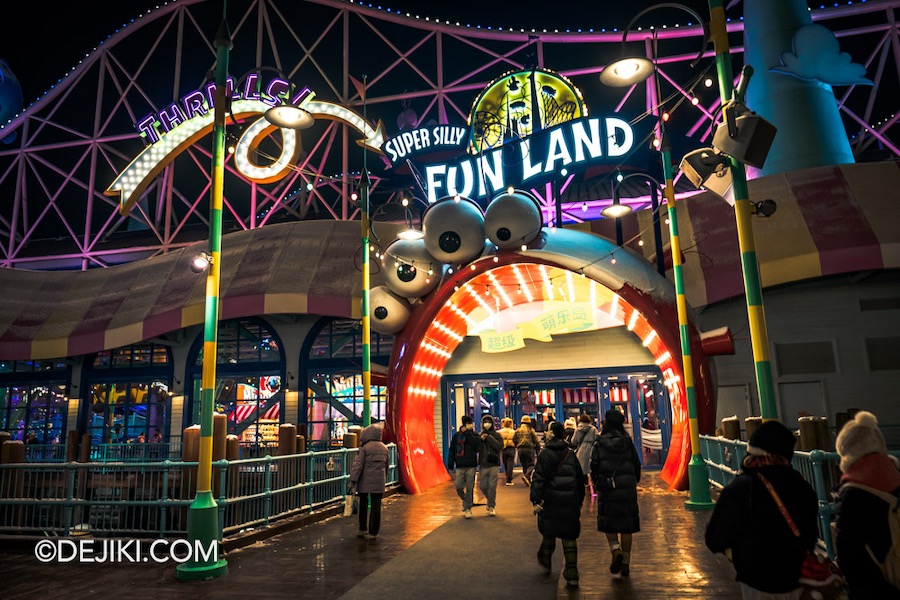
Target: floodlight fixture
[201,262]
[744,135]
[764,208]
[708,170]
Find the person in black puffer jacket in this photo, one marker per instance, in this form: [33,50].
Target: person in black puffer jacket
[557,492]
[748,524]
[615,473]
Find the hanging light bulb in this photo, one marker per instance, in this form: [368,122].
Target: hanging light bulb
[584,207]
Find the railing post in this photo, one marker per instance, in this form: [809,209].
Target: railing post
[222,465]
[268,479]
[164,499]
[70,496]
[817,458]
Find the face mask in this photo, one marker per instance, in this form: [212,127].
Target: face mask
[487,425]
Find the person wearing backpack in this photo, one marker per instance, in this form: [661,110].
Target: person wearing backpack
[463,457]
[868,512]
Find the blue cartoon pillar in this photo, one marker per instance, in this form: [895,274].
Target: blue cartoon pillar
[810,131]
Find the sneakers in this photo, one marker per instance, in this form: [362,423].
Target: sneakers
[626,570]
[617,558]
[370,536]
[526,479]
[492,512]
[510,483]
[571,576]
[467,513]
[572,582]
[362,533]
[544,565]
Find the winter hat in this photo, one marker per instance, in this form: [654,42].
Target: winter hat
[526,419]
[558,430]
[772,438]
[859,437]
[467,420]
[487,419]
[570,423]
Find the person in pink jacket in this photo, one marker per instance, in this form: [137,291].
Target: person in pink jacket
[367,478]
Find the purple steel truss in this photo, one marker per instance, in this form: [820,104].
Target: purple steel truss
[73,141]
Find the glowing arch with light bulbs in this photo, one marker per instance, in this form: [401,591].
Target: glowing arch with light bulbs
[587,268]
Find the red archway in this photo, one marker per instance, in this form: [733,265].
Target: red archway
[618,282]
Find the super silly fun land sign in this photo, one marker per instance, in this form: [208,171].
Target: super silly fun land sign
[526,162]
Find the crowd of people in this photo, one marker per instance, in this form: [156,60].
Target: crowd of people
[765,521]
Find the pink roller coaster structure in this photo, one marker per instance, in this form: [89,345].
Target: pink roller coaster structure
[73,141]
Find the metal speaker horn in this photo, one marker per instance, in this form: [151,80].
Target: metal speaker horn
[744,135]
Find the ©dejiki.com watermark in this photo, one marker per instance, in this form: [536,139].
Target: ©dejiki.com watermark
[126,551]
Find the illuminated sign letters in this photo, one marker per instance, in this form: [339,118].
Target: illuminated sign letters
[420,141]
[532,160]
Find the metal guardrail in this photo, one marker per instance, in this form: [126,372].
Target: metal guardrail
[723,458]
[151,499]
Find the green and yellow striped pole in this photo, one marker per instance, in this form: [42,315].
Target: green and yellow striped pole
[366,282]
[742,209]
[698,477]
[203,514]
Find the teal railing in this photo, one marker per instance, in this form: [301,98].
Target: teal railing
[819,468]
[150,499]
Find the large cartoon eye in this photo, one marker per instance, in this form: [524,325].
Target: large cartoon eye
[388,312]
[409,270]
[512,220]
[454,230]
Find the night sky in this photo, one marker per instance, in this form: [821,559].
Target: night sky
[41,47]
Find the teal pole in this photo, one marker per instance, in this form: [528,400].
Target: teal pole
[203,516]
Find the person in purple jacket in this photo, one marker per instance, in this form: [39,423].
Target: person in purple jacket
[367,478]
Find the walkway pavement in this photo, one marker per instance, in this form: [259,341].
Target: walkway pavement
[426,550]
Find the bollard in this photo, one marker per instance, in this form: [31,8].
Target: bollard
[823,436]
[72,445]
[84,449]
[840,419]
[232,447]
[287,439]
[5,436]
[731,428]
[750,425]
[12,484]
[351,440]
[808,441]
[220,431]
[301,444]
[190,452]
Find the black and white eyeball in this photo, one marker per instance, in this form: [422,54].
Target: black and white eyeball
[512,219]
[454,230]
[409,270]
[388,312]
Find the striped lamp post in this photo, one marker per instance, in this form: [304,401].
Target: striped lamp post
[203,515]
[742,209]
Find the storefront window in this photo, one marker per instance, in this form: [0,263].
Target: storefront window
[249,381]
[334,381]
[33,399]
[129,394]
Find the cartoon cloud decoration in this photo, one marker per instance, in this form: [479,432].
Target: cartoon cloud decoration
[817,57]
[388,311]
[512,220]
[454,230]
[11,100]
[409,270]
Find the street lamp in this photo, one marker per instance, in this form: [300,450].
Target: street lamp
[655,186]
[203,514]
[698,478]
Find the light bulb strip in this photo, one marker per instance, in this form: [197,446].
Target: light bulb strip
[663,358]
[649,339]
[479,300]
[547,283]
[470,322]
[500,290]
[452,334]
[522,283]
[633,320]
[571,286]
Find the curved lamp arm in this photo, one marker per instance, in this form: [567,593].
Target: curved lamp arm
[632,70]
